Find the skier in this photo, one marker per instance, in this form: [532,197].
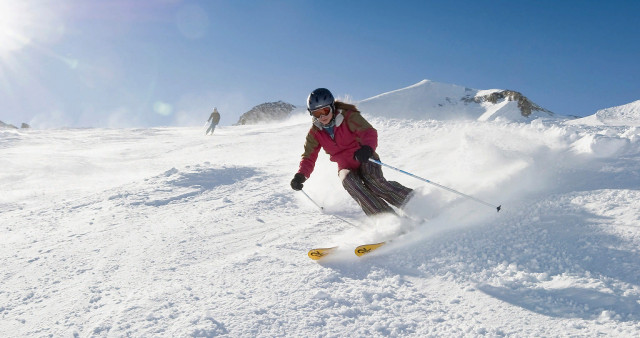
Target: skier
[214,118]
[350,141]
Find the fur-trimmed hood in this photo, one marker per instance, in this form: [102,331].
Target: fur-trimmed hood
[338,117]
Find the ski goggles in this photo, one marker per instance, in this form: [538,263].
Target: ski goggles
[320,112]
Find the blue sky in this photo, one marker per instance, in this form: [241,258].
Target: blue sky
[119,63]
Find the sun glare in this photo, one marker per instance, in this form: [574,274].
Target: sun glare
[27,27]
[15,21]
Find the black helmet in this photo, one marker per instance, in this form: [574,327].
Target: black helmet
[320,98]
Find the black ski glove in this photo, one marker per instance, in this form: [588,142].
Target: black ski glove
[296,182]
[363,154]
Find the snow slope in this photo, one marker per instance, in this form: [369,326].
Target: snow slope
[442,101]
[166,232]
[625,115]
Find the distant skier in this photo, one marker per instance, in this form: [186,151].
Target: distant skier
[350,141]
[214,118]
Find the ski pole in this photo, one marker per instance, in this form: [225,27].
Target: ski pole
[322,209]
[437,185]
[312,201]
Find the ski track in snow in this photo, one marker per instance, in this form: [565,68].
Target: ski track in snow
[166,232]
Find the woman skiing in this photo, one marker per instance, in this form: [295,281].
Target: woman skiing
[350,141]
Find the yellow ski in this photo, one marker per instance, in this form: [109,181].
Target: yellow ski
[316,254]
[367,248]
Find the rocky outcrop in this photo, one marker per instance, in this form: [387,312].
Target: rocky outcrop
[7,126]
[525,105]
[11,126]
[266,112]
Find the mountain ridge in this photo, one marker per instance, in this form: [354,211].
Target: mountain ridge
[441,101]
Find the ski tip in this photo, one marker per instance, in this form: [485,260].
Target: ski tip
[316,254]
[499,207]
[367,248]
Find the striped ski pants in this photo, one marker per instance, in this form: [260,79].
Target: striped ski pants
[372,191]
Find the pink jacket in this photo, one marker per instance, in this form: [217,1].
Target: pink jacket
[351,132]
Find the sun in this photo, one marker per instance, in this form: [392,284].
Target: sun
[22,25]
[16,21]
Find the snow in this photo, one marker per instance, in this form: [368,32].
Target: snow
[167,232]
[442,101]
[625,115]
[426,99]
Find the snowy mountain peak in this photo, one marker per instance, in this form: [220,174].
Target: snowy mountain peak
[441,101]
